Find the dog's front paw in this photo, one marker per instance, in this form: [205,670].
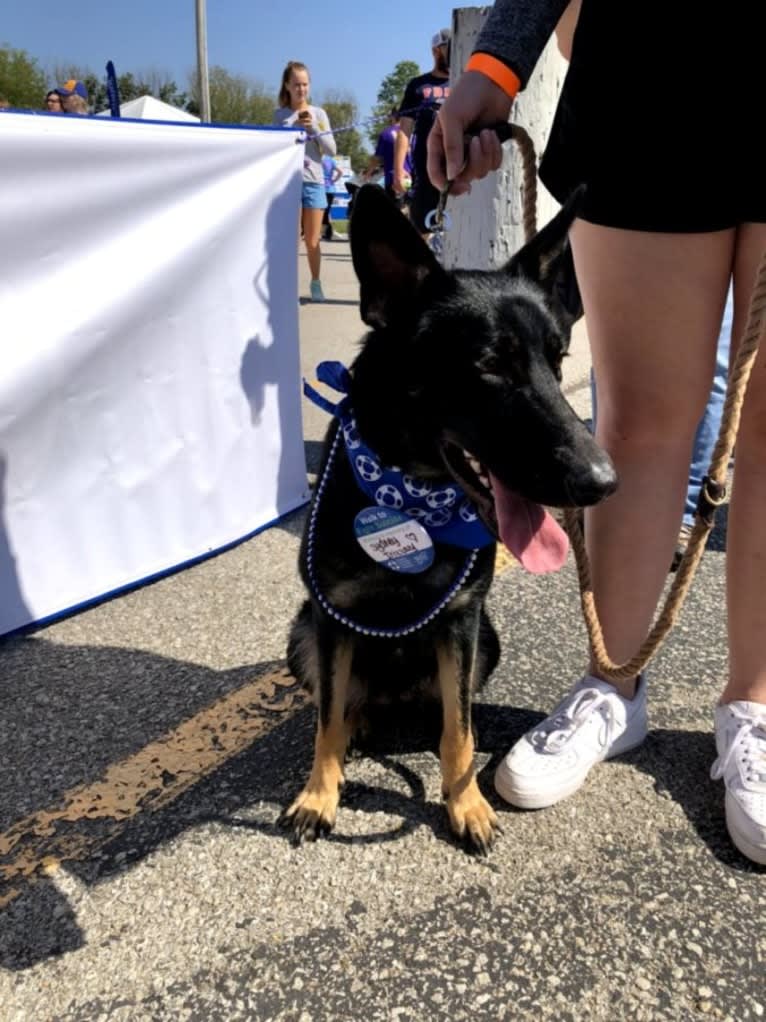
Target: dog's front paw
[472,818]
[311,815]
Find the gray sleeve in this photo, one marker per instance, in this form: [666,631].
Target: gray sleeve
[516,32]
[281,117]
[326,141]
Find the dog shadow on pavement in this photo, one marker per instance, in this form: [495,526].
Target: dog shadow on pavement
[72,713]
[80,725]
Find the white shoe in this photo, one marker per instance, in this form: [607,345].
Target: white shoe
[592,723]
[740,738]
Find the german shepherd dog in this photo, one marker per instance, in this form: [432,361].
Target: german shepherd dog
[458,385]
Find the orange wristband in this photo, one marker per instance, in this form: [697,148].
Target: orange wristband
[496,71]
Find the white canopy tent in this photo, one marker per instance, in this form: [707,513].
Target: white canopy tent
[149,108]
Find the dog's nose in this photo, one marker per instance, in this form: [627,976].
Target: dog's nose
[596,482]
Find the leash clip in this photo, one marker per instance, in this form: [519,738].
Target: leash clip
[712,495]
[439,220]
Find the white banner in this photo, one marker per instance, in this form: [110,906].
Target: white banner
[150,384]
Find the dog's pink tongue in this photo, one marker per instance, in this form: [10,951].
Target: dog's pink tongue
[533,536]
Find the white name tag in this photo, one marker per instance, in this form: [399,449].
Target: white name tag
[393,539]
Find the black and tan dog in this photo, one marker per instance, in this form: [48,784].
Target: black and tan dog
[457,389]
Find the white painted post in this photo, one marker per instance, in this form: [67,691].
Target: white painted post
[487,225]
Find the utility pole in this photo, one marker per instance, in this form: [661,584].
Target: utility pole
[204,83]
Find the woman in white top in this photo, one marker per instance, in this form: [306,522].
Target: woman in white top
[295,110]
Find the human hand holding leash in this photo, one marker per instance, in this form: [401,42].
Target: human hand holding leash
[474,101]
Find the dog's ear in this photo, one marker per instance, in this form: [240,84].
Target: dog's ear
[391,260]
[547,259]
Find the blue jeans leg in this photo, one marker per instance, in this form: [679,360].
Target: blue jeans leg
[710,423]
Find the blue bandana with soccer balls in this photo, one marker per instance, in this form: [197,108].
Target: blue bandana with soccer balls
[444,511]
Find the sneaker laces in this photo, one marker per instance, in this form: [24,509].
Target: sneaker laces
[557,730]
[748,746]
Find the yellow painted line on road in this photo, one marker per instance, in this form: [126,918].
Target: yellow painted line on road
[504,559]
[149,780]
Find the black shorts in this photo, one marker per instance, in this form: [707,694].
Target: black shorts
[422,199]
[663,128]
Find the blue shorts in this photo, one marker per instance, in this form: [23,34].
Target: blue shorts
[313,196]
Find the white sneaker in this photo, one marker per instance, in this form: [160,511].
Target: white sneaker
[740,737]
[593,722]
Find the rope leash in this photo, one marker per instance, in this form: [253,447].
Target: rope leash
[712,495]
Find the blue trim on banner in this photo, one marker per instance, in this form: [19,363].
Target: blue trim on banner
[129,587]
[147,120]
[183,124]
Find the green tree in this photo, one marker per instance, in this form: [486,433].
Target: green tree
[161,85]
[234,99]
[390,94]
[127,87]
[22,80]
[343,112]
[262,106]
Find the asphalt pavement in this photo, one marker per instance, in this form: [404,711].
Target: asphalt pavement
[150,743]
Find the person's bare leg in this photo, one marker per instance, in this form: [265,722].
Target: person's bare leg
[653,305]
[746,533]
[312,229]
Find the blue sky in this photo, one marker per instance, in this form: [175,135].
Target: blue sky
[346,46]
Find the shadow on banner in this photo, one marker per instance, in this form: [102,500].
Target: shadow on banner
[11,596]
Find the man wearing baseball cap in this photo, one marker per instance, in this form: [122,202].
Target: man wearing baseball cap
[422,99]
[74,97]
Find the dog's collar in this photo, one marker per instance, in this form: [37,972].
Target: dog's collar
[444,510]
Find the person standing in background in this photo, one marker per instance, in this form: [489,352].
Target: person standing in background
[296,111]
[332,174]
[383,159]
[422,98]
[707,431]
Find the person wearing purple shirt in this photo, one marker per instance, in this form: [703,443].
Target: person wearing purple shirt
[423,96]
[383,157]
